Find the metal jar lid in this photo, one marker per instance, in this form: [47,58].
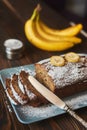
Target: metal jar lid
[14,48]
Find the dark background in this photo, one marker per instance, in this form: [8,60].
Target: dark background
[72,10]
[78,7]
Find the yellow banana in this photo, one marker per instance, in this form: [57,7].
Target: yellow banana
[72,57]
[57,61]
[70,31]
[45,35]
[54,41]
[41,43]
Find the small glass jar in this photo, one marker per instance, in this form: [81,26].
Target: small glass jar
[14,49]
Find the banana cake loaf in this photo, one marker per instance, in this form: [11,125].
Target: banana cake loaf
[64,75]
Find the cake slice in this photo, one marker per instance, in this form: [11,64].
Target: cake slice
[10,93]
[20,91]
[15,95]
[34,95]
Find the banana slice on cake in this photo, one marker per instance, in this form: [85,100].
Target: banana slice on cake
[72,57]
[57,60]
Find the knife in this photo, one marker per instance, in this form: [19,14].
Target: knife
[50,96]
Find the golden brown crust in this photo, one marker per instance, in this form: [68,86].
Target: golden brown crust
[43,77]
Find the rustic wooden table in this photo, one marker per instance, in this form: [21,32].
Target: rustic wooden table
[13,14]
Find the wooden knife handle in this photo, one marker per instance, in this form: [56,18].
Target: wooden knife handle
[73,114]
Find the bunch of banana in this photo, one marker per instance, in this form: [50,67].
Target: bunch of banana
[50,39]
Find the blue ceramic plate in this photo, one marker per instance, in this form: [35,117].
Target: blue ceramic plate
[28,114]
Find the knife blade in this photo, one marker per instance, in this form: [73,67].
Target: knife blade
[50,96]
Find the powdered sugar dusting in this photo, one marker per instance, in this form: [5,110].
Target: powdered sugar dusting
[30,94]
[21,85]
[78,101]
[50,110]
[10,98]
[17,96]
[68,74]
[38,112]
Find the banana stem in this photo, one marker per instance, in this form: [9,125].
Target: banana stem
[38,8]
[36,12]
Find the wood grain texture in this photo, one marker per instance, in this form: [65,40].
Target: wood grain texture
[13,14]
